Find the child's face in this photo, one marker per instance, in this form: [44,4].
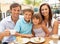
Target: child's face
[35,21]
[27,16]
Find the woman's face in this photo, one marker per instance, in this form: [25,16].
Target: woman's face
[45,10]
[35,21]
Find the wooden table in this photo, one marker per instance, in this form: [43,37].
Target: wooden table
[47,39]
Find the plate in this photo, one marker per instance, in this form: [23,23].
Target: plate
[37,40]
[23,40]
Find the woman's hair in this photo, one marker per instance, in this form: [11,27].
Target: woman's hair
[37,16]
[50,13]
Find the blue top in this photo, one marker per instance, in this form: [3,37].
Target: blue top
[23,27]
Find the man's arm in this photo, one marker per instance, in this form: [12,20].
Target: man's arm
[2,29]
[1,36]
[5,33]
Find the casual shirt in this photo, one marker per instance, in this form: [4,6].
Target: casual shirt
[23,27]
[7,23]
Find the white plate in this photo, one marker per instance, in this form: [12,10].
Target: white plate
[25,40]
[22,40]
[37,40]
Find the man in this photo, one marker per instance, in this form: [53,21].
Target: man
[10,21]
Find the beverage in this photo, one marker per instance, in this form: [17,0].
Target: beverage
[55,38]
[12,32]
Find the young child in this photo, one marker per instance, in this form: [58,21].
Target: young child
[24,25]
[39,29]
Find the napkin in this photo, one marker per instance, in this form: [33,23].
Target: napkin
[51,42]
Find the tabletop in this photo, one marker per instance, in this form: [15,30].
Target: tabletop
[47,39]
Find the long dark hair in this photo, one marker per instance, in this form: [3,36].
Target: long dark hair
[50,13]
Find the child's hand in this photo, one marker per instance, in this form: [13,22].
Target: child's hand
[29,35]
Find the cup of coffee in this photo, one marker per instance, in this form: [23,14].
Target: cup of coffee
[12,32]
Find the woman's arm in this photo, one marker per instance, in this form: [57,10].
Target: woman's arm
[45,29]
[55,27]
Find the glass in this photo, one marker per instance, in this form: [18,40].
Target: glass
[12,32]
[55,38]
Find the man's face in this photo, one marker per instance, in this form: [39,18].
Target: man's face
[15,11]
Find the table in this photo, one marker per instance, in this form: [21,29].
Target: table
[47,39]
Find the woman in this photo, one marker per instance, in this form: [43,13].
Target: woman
[46,13]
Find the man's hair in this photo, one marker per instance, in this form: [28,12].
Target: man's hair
[15,5]
[29,10]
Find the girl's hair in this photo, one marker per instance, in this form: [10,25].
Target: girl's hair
[50,13]
[37,16]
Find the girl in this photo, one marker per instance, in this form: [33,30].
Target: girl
[39,30]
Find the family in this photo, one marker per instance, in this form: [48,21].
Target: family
[30,24]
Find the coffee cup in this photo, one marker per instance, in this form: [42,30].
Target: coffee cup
[12,32]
